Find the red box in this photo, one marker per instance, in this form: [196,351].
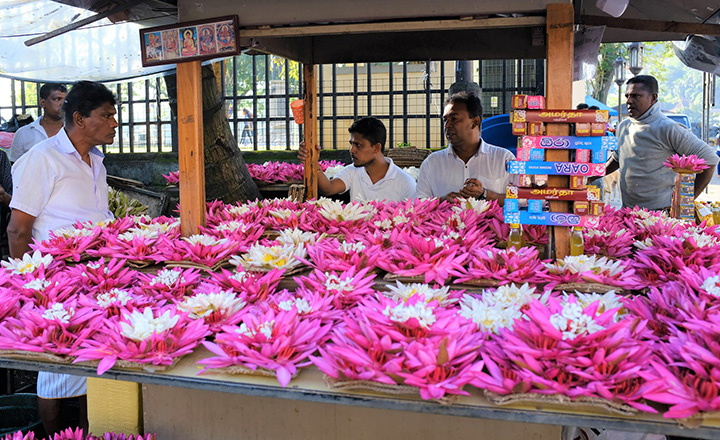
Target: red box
[582,129]
[519,101]
[581,207]
[536,102]
[597,129]
[577,182]
[540,180]
[535,128]
[582,155]
[519,128]
[597,208]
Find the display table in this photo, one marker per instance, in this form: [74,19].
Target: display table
[180,404]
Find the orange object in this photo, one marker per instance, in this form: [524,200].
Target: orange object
[297,108]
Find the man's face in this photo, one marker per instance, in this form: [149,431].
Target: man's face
[460,128]
[361,150]
[99,127]
[52,106]
[639,100]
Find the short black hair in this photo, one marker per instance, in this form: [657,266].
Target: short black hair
[649,82]
[593,107]
[471,101]
[582,106]
[84,97]
[372,129]
[46,89]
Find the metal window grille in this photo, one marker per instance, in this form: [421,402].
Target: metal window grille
[257,89]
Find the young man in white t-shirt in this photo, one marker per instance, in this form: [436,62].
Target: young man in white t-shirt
[372,176]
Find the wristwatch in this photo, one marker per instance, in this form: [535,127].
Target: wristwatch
[484,194]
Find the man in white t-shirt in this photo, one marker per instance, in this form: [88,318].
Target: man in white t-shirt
[468,167]
[372,176]
[60,181]
[46,126]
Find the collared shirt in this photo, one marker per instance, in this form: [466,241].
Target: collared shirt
[26,138]
[444,172]
[396,185]
[52,183]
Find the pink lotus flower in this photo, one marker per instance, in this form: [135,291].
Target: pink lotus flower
[136,245]
[169,284]
[256,286]
[112,302]
[686,164]
[240,232]
[590,269]
[42,290]
[70,244]
[504,266]
[331,255]
[346,288]
[616,243]
[148,337]
[306,304]
[216,307]
[415,255]
[103,275]
[201,249]
[9,303]
[172,178]
[278,341]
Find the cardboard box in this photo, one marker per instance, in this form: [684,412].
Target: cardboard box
[582,155]
[597,129]
[582,129]
[581,207]
[577,182]
[511,205]
[599,156]
[535,128]
[519,101]
[535,206]
[519,128]
[536,102]
[597,208]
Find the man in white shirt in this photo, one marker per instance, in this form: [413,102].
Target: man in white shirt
[372,176]
[58,182]
[468,167]
[47,125]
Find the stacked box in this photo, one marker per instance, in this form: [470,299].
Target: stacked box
[535,206]
[536,102]
[535,128]
[582,155]
[519,101]
[525,154]
[599,156]
[597,129]
[581,208]
[519,128]
[577,182]
[583,129]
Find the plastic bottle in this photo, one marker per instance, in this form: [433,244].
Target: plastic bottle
[577,244]
[515,239]
[716,213]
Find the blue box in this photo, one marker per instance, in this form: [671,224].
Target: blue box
[599,156]
[512,205]
[535,206]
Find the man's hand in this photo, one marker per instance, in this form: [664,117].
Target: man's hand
[5,198]
[473,188]
[450,197]
[303,152]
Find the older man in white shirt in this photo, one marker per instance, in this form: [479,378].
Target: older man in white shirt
[468,167]
[58,182]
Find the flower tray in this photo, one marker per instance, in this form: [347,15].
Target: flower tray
[137,366]
[383,388]
[225,263]
[139,264]
[404,278]
[294,271]
[561,401]
[486,282]
[589,288]
[239,369]
[36,356]
[83,257]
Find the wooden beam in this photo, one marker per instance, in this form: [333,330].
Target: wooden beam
[310,134]
[673,27]
[559,96]
[394,26]
[191,150]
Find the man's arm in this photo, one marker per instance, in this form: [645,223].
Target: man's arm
[326,186]
[702,180]
[474,188]
[19,232]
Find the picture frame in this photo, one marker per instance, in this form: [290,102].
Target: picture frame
[192,40]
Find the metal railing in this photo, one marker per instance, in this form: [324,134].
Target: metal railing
[258,89]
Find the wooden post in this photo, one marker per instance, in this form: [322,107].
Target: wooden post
[559,96]
[191,149]
[311,165]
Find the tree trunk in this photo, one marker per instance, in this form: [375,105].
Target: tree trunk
[226,175]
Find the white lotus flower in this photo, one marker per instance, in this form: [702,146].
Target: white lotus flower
[205,240]
[141,326]
[334,210]
[585,263]
[232,225]
[573,323]
[384,224]
[608,301]
[333,171]
[351,248]
[167,277]
[72,232]
[472,204]
[58,312]
[301,305]
[282,214]
[141,233]
[238,210]
[403,312]
[261,257]
[28,263]
[403,292]
[141,219]
[510,294]
[38,284]
[112,296]
[203,304]
[413,171]
[712,285]
[489,317]
[296,237]
[333,282]
[265,329]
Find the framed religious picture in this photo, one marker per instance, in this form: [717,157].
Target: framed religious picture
[203,39]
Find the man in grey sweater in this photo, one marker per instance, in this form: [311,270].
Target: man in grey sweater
[645,140]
